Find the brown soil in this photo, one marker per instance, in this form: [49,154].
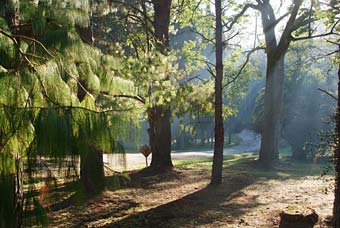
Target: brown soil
[183,198]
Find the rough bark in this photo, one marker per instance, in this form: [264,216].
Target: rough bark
[11,206]
[336,206]
[160,138]
[275,51]
[272,111]
[159,116]
[92,171]
[216,177]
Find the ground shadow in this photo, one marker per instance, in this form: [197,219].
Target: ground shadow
[205,206]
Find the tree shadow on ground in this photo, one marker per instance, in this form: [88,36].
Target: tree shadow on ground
[143,178]
[211,204]
[205,206]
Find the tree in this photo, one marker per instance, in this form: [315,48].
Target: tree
[299,21]
[336,205]
[159,116]
[216,177]
[51,101]
[147,49]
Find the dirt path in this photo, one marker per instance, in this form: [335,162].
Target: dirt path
[183,198]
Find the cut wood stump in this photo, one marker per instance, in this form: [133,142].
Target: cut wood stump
[298,218]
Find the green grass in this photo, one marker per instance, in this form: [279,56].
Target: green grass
[246,163]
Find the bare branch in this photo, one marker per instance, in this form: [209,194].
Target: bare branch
[203,36]
[236,76]
[240,14]
[134,97]
[311,36]
[328,93]
[63,107]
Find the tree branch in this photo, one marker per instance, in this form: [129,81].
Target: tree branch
[328,93]
[234,78]
[240,14]
[310,36]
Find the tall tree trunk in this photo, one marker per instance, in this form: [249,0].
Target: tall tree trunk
[159,116]
[275,51]
[272,111]
[336,206]
[216,177]
[92,171]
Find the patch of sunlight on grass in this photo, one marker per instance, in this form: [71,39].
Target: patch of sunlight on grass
[193,161]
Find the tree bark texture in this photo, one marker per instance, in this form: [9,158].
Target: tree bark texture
[160,138]
[12,201]
[92,174]
[216,177]
[336,206]
[275,50]
[272,111]
[159,116]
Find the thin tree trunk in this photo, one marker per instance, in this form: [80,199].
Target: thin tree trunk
[92,171]
[272,111]
[181,140]
[216,177]
[336,206]
[229,137]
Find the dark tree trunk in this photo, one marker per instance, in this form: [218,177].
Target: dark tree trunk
[272,111]
[336,206]
[12,201]
[160,138]
[216,177]
[86,33]
[92,171]
[11,13]
[159,116]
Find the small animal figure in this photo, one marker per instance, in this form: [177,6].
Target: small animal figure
[146,151]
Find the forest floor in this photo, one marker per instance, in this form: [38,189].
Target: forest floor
[248,197]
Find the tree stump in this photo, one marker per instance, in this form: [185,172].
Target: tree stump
[298,219]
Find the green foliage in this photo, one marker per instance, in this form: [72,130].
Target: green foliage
[40,109]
